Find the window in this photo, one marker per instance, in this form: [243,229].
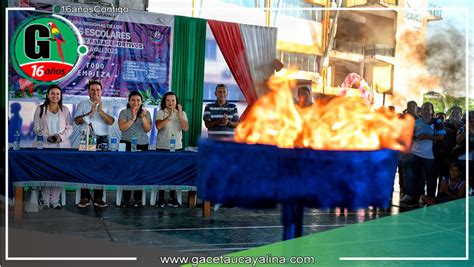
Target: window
[234,93]
[290,8]
[245,3]
[304,62]
[211,49]
[311,64]
[248,3]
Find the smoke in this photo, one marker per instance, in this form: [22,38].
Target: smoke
[412,44]
[413,76]
[365,29]
[446,59]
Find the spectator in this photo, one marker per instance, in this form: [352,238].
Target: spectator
[221,117]
[405,169]
[418,111]
[460,149]
[304,97]
[412,109]
[452,126]
[451,187]
[427,129]
[439,152]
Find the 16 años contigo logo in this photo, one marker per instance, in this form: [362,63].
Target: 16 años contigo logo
[47,49]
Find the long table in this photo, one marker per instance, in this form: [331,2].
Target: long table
[123,170]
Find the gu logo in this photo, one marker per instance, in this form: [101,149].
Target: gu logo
[47,49]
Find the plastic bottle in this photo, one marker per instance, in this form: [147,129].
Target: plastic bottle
[134,143]
[39,138]
[113,143]
[16,141]
[173,143]
[83,141]
[94,142]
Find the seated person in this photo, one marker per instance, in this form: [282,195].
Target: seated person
[450,188]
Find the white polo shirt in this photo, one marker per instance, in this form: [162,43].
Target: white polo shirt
[173,127]
[100,127]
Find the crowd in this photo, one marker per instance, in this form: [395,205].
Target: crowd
[434,170]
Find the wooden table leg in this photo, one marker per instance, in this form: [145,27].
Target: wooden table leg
[206,209]
[192,199]
[18,204]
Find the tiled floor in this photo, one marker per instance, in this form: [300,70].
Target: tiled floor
[184,229]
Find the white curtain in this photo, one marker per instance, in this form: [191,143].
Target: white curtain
[260,49]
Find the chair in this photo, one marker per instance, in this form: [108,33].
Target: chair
[78,195]
[118,196]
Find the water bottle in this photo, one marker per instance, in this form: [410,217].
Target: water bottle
[16,141]
[83,141]
[134,143]
[113,143]
[173,143]
[94,142]
[39,138]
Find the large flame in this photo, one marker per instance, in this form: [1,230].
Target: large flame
[338,123]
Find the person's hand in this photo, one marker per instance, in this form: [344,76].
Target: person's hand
[224,120]
[54,139]
[99,107]
[143,114]
[93,108]
[134,113]
[180,109]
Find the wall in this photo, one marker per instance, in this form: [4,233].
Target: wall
[299,35]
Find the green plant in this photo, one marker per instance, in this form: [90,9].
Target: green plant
[40,92]
[443,103]
[148,97]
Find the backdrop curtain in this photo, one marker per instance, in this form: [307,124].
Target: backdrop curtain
[187,81]
[229,40]
[260,49]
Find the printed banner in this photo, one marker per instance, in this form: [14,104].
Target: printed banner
[123,55]
[414,12]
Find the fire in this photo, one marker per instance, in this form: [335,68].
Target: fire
[339,123]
